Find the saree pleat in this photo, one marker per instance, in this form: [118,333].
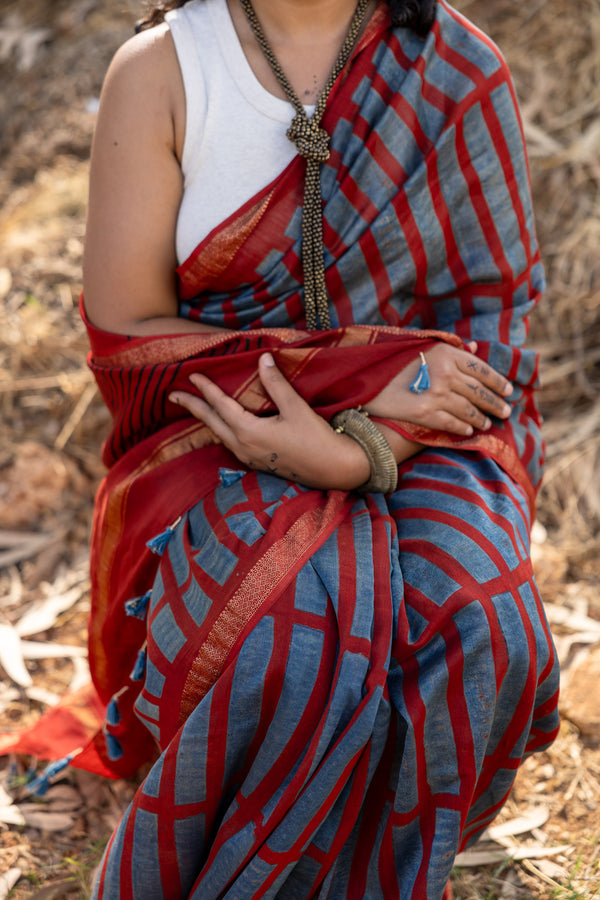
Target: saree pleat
[369,722]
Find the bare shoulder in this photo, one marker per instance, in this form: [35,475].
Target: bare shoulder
[143,83]
[149,54]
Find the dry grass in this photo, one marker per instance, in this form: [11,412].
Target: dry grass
[50,411]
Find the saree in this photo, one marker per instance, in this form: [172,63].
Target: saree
[332,693]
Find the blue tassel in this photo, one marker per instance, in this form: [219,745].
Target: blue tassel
[140,667]
[113,746]
[159,543]
[227,477]
[138,607]
[421,382]
[40,785]
[113,713]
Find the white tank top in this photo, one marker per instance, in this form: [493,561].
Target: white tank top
[235,137]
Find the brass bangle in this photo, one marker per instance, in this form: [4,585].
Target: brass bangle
[384,468]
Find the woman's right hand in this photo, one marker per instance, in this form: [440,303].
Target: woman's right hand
[464,392]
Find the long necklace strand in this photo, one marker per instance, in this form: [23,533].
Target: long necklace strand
[312,142]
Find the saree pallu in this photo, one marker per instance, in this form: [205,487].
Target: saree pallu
[334,693]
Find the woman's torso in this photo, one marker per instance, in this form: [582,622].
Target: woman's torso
[235,132]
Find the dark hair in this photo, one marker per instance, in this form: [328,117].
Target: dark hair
[415,14]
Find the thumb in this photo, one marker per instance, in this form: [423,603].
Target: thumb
[277,386]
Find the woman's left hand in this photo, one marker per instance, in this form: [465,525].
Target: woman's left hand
[296,443]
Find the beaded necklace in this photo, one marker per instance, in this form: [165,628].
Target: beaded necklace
[312,142]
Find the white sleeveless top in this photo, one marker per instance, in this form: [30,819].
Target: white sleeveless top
[235,136]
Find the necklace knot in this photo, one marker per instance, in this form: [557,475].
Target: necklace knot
[311,141]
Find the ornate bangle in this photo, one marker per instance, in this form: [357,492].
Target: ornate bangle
[384,468]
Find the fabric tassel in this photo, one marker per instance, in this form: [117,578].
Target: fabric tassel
[138,607]
[114,749]
[227,477]
[39,786]
[159,543]
[140,667]
[421,382]
[113,713]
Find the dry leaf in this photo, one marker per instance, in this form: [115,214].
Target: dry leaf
[8,881]
[43,615]
[41,695]
[5,282]
[11,656]
[535,818]
[21,41]
[57,890]
[63,798]
[46,821]
[47,650]
[24,548]
[485,856]
[81,673]
[11,815]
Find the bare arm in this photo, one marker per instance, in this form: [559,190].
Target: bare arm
[135,192]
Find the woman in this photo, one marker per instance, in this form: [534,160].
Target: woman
[313,606]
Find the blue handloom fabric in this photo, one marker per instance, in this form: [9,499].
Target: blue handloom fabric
[371,721]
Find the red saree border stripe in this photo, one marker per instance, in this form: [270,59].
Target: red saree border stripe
[270,573]
[218,250]
[111,507]
[489,443]
[112,349]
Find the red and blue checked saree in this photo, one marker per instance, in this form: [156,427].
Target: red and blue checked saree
[333,692]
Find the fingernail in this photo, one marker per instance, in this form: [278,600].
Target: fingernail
[468,431]
[268,359]
[506,410]
[507,390]
[487,424]
[174,398]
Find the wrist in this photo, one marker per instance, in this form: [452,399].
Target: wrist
[402,447]
[352,464]
[355,423]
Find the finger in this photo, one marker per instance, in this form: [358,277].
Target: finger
[445,421]
[465,411]
[203,411]
[225,406]
[287,400]
[484,373]
[485,400]
[471,415]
